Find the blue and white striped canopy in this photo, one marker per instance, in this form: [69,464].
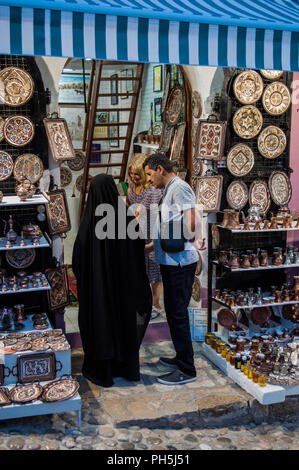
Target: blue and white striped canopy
[259,34]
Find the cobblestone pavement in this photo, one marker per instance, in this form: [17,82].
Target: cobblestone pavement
[210,414]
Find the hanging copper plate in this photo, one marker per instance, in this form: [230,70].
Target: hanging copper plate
[259,195]
[1,129]
[276,98]
[196,104]
[65,176]
[79,182]
[6,165]
[271,142]
[196,166]
[30,166]
[248,87]
[60,390]
[17,88]
[199,265]
[59,139]
[240,160]
[272,74]
[280,188]
[196,290]
[237,194]
[215,235]
[78,162]
[18,130]
[165,93]
[247,122]
[226,317]
[210,139]
[21,258]
[260,315]
[174,106]
[290,313]
[209,192]
[25,393]
[4,396]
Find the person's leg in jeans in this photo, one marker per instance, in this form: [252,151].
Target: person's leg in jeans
[177,285]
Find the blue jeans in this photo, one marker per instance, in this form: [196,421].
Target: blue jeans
[177,287]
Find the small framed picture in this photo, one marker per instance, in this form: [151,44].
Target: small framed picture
[114,88]
[157,78]
[157,109]
[101,131]
[114,130]
[123,84]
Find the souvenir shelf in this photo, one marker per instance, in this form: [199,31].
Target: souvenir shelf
[15,201]
[30,287]
[44,242]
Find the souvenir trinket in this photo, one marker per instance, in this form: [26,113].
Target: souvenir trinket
[248,87]
[57,212]
[280,188]
[260,315]
[4,396]
[165,139]
[210,139]
[18,130]
[226,318]
[247,122]
[276,98]
[240,160]
[174,106]
[196,166]
[6,165]
[209,192]
[25,393]
[178,139]
[11,235]
[65,176]
[59,346]
[237,194]
[271,142]
[31,231]
[58,296]
[17,86]
[21,258]
[60,390]
[29,166]
[196,104]
[272,74]
[79,183]
[33,367]
[59,139]
[77,163]
[25,189]
[259,195]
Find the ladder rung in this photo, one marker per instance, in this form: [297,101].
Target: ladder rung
[101,165]
[117,94]
[98,152]
[114,124]
[110,79]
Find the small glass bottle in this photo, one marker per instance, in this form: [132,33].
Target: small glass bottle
[238,361]
[243,361]
[255,375]
[250,372]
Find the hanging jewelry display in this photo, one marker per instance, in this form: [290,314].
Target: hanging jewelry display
[272,74]
[57,212]
[248,87]
[276,98]
[78,162]
[196,290]
[280,188]
[65,176]
[29,166]
[209,191]
[6,165]
[271,142]
[60,390]
[210,139]
[196,104]
[58,296]
[240,160]
[237,194]
[259,195]
[21,258]
[247,122]
[17,86]
[59,139]
[18,130]
[174,106]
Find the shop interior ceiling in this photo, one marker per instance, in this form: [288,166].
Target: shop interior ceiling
[224,33]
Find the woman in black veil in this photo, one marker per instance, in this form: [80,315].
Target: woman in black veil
[113,290]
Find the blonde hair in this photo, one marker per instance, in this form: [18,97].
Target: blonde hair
[135,164]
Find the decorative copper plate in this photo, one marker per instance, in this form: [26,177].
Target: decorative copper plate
[78,162]
[60,390]
[1,129]
[259,195]
[194,184]
[248,87]
[209,191]
[272,74]
[65,176]
[58,296]
[215,235]
[30,166]
[174,106]
[33,367]
[18,130]
[260,315]
[196,290]
[177,142]
[165,93]
[210,139]
[226,318]
[59,346]
[237,194]
[57,212]
[21,258]
[290,312]
[59,139]
[199,265]
[276,98]
[240,160]
[247,122]
[196,104]
[79,182]
[17,88]
[196,166]
[6,165]
[271,142]
[4,396]
[194,134]
[39,345]
[25,393]
[21,346]
[280,188]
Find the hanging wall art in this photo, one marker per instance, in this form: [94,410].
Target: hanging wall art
[16,86]
[57,212]
[59,139]
[210,139]
[209,191]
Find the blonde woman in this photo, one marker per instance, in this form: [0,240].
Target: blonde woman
[142,194]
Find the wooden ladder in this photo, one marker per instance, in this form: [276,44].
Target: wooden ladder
[96,107]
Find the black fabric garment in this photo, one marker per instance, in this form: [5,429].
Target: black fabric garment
[114,294]
[177,286]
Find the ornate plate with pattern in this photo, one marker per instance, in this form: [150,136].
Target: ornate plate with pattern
[260,315]
[57,212]
[65,176]
[196,290]
[237,194]
[248,87]
[240,160]
[280,188]
[209,191]
[30,166]
[196,166]
[215,235]
[18,130]
[272,74]
[247,122]
[226,317]
[59,139]
[276,98]
[79,182]
[174,106]
[78,162]
[199,265]
[6,165]
[210,139]
[196,104]
[25,393]
[21,258]
[60,390]
[1,129]
[259,195]
[271,142]
[193,184]
[17,88]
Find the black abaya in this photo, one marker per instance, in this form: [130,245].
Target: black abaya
[113,291]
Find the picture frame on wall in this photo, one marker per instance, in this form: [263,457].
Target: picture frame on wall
[75,116]
[114,130]
[101,131]
[177,142]
[130,83]
[59,139]
[157,78]
[123,83]
[114,89]
[71,88]
[157,109]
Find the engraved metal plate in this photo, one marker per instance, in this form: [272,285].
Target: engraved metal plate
[196,166]
[17,86]
[237,194]
[240,160]
[59,139]
[57,212]
[196,290]
[1,129]
[280,188]
[78,162]
[272,74]
[65,176]
[260,315]
[271,142]
[4,396]
[196,104]
[226,317]
[79,182]
[247,122]
[21,258]
[177,143]
[58,296]
[248,87]
[30,166]
[6,165]
[209,191]
[18,130]
[174,106]
[165,138]
[60,390]
[210,139]
[199,265]
[276,98]
[33,367]
[25,393]
[259,195]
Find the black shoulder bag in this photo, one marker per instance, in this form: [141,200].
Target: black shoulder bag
[172,235]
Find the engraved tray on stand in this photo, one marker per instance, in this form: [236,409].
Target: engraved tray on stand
[259,195]
[280,188]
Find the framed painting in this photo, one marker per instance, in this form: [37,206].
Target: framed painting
[71,88]
[114,89]
[57,212]
[59,139]
[113,130]
[101,131]
[177,143]
[58,296]
[157,109]
[75,117]
[157,77]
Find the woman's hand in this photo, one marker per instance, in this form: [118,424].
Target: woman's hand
[149,248]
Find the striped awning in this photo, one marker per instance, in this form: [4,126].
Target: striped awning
[259,34]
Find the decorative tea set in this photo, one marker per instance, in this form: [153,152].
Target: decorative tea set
[256,220]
